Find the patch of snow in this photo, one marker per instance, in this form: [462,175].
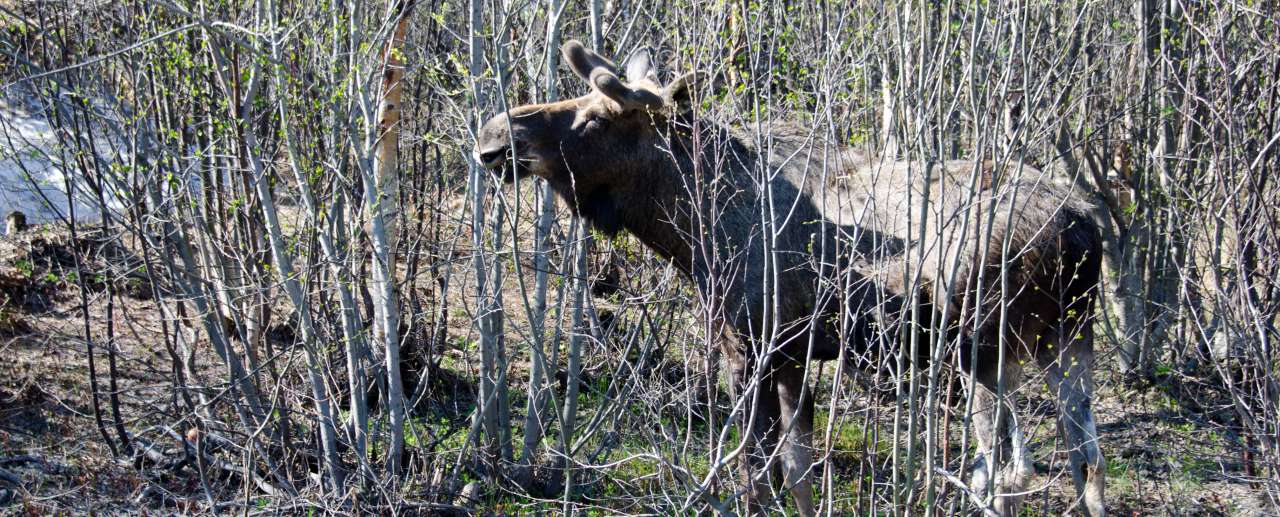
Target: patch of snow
[33,179]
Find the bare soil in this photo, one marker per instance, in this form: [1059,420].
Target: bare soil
[1168,447]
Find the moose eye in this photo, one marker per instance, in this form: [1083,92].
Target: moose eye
[596,123]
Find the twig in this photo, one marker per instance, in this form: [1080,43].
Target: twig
[101,58]
[977,500]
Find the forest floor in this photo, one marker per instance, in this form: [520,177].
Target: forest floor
[1167,452]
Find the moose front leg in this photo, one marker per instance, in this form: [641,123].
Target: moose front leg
[796,405]
[758,421]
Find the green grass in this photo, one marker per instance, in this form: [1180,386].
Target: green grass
[849,436]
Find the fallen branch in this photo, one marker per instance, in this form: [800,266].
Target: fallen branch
[155,454]
[11,478]
[438,508]
[18,460]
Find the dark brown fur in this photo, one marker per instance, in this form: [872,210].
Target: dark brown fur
[849,251]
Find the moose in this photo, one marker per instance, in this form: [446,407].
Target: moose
[813,251]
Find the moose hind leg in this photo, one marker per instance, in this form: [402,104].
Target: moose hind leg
[1068,372]
[1001,446]
[796,404]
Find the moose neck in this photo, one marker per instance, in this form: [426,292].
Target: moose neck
[755,246]
[705,192]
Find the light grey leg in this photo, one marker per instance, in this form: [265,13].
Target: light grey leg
[1068,371]
[1001,446]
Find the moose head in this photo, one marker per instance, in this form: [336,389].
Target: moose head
[606,141]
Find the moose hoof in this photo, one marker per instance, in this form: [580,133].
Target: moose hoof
[979,475]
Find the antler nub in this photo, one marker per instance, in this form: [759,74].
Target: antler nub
[603,76]
[583,61]
[607,83]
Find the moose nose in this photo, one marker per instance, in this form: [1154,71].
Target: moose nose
[493,141]
[492,157]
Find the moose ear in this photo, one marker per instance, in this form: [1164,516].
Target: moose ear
[639,65]
[680,92]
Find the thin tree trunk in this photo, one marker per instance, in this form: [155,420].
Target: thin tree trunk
[381,199]
[568,421]
[597,28]
[488,271]
[335,253]
[536,408]
[284,266]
